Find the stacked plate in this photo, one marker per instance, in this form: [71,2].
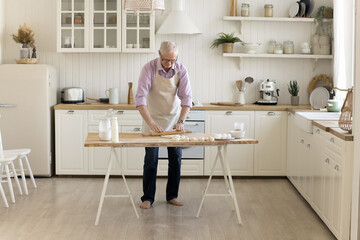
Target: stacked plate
[302,8]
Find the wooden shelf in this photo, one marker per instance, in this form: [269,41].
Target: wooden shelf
[272,19]
[315,58]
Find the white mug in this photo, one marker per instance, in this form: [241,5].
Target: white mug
[113,94]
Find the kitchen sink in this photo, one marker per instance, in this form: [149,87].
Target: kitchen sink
[304,119]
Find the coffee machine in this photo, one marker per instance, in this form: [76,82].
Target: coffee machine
[268,91]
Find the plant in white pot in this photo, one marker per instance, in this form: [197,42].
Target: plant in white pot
[293,89]
[226,40]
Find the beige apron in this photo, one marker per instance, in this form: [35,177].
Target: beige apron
[163,103]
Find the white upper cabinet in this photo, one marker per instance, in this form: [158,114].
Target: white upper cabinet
[138,32]
[103,26]
[73,26]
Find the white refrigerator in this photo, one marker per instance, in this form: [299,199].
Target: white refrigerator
[28,93]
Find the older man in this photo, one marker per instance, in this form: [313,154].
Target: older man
[164,99]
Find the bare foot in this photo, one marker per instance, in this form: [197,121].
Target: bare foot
[176,202]
[145,205]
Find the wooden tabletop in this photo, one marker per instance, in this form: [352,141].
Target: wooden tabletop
[137,140]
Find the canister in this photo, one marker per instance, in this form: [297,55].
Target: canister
[268,10]
[245,10]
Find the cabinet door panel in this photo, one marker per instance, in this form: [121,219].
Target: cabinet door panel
[71,131]
[240,157]
[270,152]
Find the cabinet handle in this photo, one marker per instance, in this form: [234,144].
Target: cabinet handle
[336,167]
[228,112]
[271,113]
[289,114]
[327,160]
[188,116]
[120,112]
[332,140]
[191,124]
[318,131]
[137,129]
[70,111]
[302,141]
[308,146]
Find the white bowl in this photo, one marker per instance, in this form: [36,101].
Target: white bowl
[237,134]
[251,47]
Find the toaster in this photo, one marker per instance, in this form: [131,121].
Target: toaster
[72,95]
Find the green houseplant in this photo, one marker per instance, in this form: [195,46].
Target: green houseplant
[226,40]
[293,88]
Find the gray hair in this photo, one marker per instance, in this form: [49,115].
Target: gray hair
[168,47]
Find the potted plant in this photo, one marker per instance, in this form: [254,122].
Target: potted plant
[25,36]
[293,89]
[226,40]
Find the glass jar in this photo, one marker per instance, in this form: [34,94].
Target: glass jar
[278,48]
[245,10]
[268,10]
[105,129]
[271,46]
[288,47]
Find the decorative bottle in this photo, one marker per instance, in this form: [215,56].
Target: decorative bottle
[114,130]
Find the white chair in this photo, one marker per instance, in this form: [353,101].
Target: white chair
[5,161]
[22,154]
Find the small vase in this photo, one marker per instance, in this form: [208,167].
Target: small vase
[227,47]
[295,100]
[24,51]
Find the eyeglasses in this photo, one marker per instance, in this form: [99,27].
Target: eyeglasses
[167,60]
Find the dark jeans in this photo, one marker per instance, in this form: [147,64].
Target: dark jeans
[150,170]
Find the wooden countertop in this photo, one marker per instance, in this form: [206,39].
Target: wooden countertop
[137,140]
[333,128]
[206,106]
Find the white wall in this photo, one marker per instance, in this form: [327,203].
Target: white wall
[2,23]
[212,76]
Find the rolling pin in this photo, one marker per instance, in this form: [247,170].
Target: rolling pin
[167,133]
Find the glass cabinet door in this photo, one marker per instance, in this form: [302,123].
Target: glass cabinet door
[138,32]
[73,24]
[105,26]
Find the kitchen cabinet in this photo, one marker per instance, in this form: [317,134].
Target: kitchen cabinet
[240,156]
[322,173]
[103,26]
[70,134]
[73,25]
[291,153]
[270,152]
[138,31]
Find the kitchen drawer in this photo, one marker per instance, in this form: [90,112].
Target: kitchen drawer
[188,167]
[319,131]
[125,117]
[334,144]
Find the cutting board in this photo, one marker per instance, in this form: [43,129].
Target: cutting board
[226,104]
[167,133]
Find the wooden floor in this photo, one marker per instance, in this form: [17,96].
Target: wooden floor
[65,208]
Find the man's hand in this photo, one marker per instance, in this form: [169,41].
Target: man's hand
[179,126]
[156,128]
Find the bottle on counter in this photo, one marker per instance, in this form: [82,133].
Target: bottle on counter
[268,10]
[114,129]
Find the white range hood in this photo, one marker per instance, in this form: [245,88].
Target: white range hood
[178,22]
